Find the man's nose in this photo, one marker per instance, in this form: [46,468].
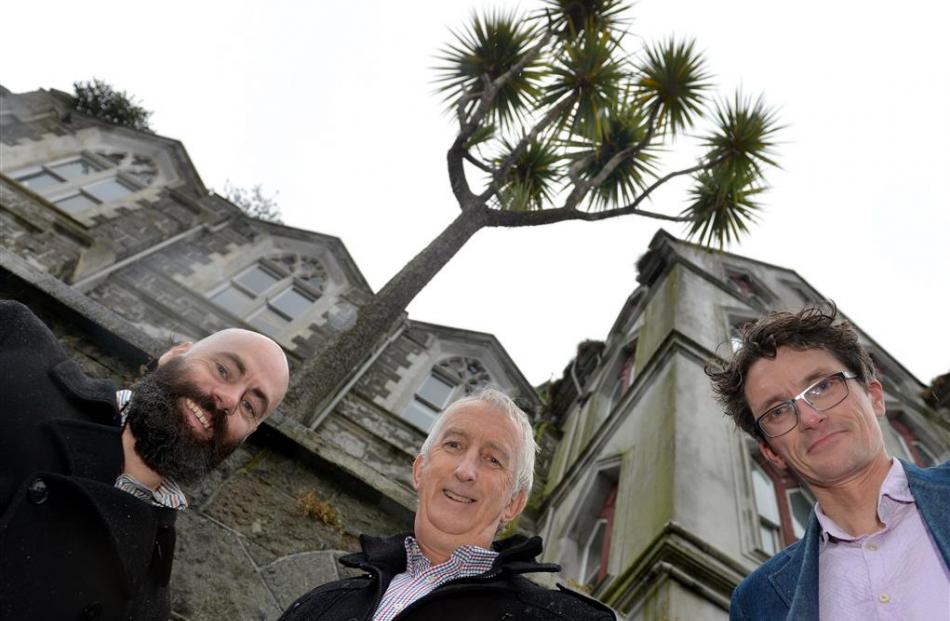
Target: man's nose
[808,416]
[226,397]
[467,467]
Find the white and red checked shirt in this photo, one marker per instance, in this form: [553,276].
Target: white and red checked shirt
[421,577]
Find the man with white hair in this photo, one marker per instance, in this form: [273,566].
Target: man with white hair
[473,476]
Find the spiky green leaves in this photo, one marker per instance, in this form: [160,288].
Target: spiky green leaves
[490,47]
[723,202]
[673,78]
[586,69]
[619,157]
[532,176]
[744,137]
[571,17]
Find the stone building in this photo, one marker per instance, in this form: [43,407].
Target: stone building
[109,234]
[653,502]
[645,494]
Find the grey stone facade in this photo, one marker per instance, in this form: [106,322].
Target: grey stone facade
[638,416]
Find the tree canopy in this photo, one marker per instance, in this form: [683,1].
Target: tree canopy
[558,120]
[253,202]
[98,99]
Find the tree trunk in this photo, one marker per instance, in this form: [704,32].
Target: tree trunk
[318,379]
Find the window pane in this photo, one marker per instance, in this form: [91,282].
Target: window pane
[39,180]
[75,168]
[765,500]
[292,303]
[592,552]
[800,509]
[257,279]
[109,190]
[420,415]
[269,322]
[76,203]
[435,391]
[769,539]
[232,299]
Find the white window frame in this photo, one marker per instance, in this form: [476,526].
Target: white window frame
[261,302]
[75,187]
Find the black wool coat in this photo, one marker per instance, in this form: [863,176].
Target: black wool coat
[72,546]
[500,594]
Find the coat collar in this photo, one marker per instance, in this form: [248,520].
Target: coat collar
[91,442]
[515,554]
[796,577]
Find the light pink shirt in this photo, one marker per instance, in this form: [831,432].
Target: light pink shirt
[895,574]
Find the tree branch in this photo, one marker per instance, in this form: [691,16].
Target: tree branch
[581,187]
[477,163]
[502,171]
[567,212]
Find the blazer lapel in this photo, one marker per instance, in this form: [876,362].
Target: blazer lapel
[796,581]
[931,492]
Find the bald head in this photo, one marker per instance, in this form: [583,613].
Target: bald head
[244,359]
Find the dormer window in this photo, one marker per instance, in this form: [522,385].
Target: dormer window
[270,297]
[748,288]
[77,184]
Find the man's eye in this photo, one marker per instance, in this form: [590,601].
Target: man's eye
[494,461]
[222,370]
[248,407]
[452,444]
[819,389]
[779,412]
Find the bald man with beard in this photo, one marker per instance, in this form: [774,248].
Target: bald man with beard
[90,475]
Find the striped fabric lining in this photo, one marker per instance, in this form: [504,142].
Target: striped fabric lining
[421,577]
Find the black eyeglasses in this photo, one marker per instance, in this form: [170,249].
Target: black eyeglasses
[823,395]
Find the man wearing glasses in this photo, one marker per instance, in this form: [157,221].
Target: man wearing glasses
[877,545]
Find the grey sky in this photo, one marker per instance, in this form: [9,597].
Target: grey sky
[332,104]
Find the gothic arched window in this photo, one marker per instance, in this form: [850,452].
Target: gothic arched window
[447,381]
[274,291]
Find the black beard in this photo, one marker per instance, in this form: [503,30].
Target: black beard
[163,437]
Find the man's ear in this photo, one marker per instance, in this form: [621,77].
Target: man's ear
[515,507]
[177,350]
[772,456]
[876,393]
[417,472]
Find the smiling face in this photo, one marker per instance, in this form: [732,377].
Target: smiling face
[466,482]
[240,374]
[204,400]
[826,448]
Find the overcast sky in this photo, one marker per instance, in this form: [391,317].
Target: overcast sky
[332,106]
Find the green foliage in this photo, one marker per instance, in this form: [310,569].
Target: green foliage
[571,17]
[723,197]
[552,108]
[98,99]
[531,178]
[722,205]
[586,69]
[491,47]
[253,202]
[623,129]
[674,80]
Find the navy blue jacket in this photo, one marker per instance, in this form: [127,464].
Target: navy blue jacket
[786,586]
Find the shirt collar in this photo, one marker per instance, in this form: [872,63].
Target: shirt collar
[466,557]
[169,494]
[894,492]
